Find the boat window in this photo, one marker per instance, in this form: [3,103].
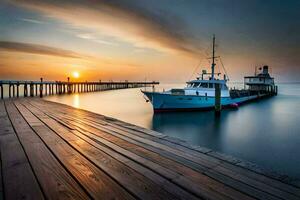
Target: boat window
[204,85]
[196,85]
[211,85]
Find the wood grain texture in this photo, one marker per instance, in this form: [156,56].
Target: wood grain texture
[19,181]
[94,180]
[135,182]
[55,181]
[72,153]
[241,180]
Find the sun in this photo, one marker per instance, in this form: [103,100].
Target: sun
[76,74]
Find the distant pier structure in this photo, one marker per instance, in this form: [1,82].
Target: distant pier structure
[41,88]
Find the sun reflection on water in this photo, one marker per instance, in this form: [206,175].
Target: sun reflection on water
[76,101]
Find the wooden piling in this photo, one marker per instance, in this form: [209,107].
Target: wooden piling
[59,87]
[41,88]
[31,89]
[13,85]
[218,106]
[18,84]
[1,88]
[9,90]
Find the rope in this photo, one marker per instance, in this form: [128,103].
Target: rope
[224,68]
[199,64]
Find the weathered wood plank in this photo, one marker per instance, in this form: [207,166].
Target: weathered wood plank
[133,181]
[18,178]
[244,187]
[244,177]
[197,179]
[53,178]
[95,181]
[184,147]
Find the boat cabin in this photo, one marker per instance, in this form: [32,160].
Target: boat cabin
[260,82]
[205,84]
[205,87]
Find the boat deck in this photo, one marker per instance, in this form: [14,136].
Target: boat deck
[52,151]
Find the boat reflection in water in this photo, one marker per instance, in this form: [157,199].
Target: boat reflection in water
[200,128]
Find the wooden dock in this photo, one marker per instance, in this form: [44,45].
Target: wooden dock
[41,88]
[54,151]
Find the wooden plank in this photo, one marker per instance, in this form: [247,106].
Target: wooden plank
[192,175]
[244,172]
[18,178]
[268,181]
[94,181]
[206,161]
[162,182]
[53,178]
[198,181]
[133,181]
[289,190]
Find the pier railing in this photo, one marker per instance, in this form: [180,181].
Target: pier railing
[40,88]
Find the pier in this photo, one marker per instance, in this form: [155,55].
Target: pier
[50,151]
[41,88]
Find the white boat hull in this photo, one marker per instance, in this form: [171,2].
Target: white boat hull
[170,102]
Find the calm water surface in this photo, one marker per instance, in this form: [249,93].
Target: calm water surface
[265,132]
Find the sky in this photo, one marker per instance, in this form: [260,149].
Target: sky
[164,40]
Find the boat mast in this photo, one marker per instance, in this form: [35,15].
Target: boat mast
[213,60]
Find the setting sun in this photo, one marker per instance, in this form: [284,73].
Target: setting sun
[76,74]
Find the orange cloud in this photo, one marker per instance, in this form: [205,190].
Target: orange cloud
[122,20]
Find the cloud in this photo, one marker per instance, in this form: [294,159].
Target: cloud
[122,19]
[34,21]
[91,37]
[86,36]
[36,49]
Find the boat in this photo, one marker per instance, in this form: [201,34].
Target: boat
[200,94]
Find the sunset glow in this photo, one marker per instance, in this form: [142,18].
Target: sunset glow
[134,40]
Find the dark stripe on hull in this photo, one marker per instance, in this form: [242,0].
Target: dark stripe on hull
[162,110]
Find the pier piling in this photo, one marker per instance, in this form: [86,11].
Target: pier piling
[1,88]
[41,88]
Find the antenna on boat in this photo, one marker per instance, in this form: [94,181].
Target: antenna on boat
[213,60]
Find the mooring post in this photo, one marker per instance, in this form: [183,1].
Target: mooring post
[218,106]
[18,84]
[25,89]
[1,87]
[59,88]
[36,89]
[9,90]
[41,88]
[45,89]
[49,89]
[31,89]
[69,86]
[13,90]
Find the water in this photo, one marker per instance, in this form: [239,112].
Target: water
[265,132]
